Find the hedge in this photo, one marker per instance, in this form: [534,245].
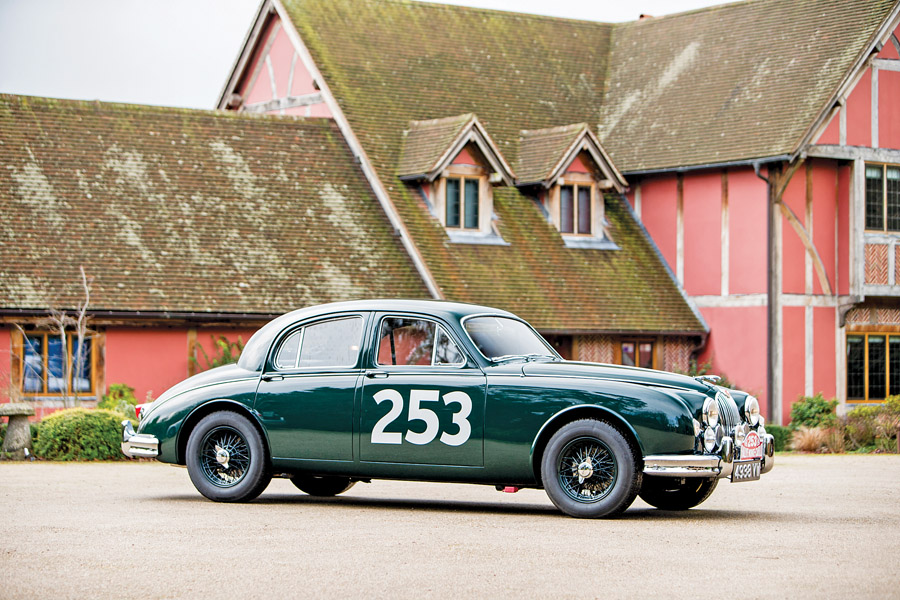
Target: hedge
[80,434]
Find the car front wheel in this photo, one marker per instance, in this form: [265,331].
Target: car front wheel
[667,493]
[322,486]
[226,458]
[589,470]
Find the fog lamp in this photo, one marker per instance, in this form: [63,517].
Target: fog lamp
[710,439]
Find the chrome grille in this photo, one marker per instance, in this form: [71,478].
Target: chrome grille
[729,415]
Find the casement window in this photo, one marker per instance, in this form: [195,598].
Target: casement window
[464,199]
[576,206]
[882,198]
[636,353]
[873,366]
[328,344]
[575,203]
[462,202]
[44,358]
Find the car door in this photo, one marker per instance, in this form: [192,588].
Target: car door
[306,395]
[422,398]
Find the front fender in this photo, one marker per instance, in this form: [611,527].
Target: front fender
[167,421]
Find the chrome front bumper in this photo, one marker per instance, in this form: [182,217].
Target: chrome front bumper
[138,445]
[718,465]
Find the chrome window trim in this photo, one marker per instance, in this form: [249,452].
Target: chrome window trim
[462,322]
[302,329]
[459,346]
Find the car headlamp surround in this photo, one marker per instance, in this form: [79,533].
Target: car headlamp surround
[710,412]
[751,411]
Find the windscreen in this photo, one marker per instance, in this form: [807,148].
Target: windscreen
[497,337]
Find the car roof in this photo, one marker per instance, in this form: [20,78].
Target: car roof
[441,308]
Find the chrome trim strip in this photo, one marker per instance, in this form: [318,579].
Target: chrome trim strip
[681,465]
[138,445]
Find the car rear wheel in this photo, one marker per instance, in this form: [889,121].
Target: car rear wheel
[589,470]
[668,493]
[322,486]
[226,458]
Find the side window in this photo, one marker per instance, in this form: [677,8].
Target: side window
[405,341]
[327,344]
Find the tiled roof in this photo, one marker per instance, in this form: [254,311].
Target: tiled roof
[540,151]
[186,211]
[390,62]
[728,83]
[425,142]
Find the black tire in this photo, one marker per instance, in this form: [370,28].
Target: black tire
[229,437]
[589,470]
[670,493]
[322,486]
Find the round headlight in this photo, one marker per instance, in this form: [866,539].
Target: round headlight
[751,410]
[711,412]
[710,439]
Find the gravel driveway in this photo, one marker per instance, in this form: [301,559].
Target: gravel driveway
[815,527]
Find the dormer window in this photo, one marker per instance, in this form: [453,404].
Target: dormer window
[461,199]
[455,165]
[567,171]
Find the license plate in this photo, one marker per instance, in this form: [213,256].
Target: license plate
[746,471]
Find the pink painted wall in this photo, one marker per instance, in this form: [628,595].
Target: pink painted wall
[659,214]
[281,56]
[843,211]
[465,158]
[747,197]
[889,108]
[149,360]
[206,339]
[859,112]
[702,233]
[824,358]
[889,51]
[793,257]
[793,355]
[579,165]
[736,347]
[824,185]
[832,133]
[629,195]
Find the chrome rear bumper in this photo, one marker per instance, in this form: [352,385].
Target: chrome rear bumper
[705,465]
[138,445]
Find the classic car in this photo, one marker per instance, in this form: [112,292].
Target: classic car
[439,391]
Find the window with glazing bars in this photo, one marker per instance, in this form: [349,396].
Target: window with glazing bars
[873,366]
[575,209]
[44,358]
[462,202]
[883,198]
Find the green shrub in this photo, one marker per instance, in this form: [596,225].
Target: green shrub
[33,426]
[873,428]
[227,352]
[782,436]
[813,411]
[80,434]
[120,399]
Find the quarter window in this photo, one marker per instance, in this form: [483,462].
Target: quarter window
[45,357]
[873,366]
[328,344]
[883,198]
[406,341]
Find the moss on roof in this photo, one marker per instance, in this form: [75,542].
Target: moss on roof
[541,150]
[389,63]
[186,211]
[728,83]
[425,142]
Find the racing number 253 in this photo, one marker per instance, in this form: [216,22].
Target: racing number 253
[418,412]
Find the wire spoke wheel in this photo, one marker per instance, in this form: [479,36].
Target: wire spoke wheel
[224,456]
[587,470]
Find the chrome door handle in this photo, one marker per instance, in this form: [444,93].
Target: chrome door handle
[376,374]
[273,378]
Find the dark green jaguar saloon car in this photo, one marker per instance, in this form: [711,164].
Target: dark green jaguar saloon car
[437,391]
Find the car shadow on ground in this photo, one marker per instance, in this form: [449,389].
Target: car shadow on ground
[636,513]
